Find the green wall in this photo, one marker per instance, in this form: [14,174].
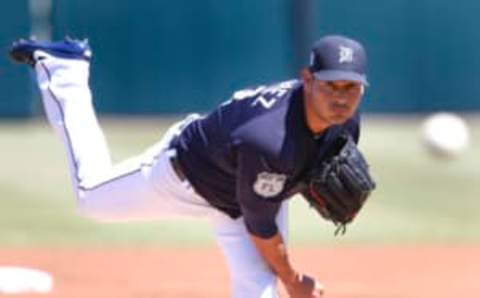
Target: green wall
[158,56]
[178,56]
[14,80]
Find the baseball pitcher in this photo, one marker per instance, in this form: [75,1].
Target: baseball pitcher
[236,166]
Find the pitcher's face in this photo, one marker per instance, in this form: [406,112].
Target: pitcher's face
[332,102]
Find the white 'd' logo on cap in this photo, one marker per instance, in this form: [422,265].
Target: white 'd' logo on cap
[345,54]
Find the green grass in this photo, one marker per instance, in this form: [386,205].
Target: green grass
[419,199]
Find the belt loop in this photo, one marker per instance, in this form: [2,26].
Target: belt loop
[171,152]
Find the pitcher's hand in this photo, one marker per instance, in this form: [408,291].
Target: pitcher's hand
[304,286]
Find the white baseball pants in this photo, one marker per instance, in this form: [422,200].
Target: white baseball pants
[143,187]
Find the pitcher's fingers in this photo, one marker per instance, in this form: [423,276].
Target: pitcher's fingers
[318,290]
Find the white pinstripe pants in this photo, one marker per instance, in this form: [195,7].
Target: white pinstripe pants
[143,187]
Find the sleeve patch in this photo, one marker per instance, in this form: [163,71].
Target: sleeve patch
[269,185]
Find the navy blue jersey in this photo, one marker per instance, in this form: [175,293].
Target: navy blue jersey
[254,151]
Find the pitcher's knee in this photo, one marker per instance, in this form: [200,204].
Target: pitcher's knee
[87,206]
[85,209]
[102,207]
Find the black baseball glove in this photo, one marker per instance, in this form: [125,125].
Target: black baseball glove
[340,184]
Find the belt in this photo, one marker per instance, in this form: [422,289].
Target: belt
[177,168]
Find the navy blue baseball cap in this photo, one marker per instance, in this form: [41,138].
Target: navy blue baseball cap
[337,57]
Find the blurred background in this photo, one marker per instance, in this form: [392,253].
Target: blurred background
[156,60]
[157,57]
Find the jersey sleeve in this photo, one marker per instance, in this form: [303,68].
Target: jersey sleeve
[258,209]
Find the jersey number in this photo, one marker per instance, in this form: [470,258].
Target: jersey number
[264,96]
